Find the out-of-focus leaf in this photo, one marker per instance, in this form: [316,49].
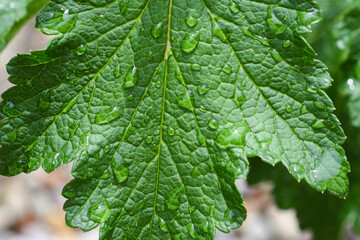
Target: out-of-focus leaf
[14,14]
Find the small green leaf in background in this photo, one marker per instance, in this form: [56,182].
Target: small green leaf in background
[14,14]
[159,103]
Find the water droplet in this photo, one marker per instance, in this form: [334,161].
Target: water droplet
[233,7]
[276,55]
[273,22]
[219,34]
[191,21]
[157,30]
[171,131]
[195,67]
[312,89]
[234,136]
[190,42]
[318,123]
[162,225]
[243,83]
[227,69]
[173,197]
[287,43]
[191,230]
[158,84]
[206,226]
[202,89]
[213,124]
[304,109]
[308,18]
[195,172]
[100,212]
[289,108]
[105,175]
[298,169]
[328,165]
[149,139]
[130,97]
[131,78]
[320,105]
[120,170]
[185,102]
[240,98]
[117,71]
[109,115]
[80,51]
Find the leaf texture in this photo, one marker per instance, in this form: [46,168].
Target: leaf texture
[159,103]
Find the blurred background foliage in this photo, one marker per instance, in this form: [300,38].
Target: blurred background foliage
[336,39]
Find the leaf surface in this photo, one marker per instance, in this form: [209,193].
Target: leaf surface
[159,103]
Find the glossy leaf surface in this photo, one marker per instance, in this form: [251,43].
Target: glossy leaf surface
[159,103]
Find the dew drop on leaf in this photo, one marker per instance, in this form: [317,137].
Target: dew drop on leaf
[149,139]
[308,18]
[191,230]
[320,105]
[190,42]
[233,7]
[273,22]
[100,212]
[117,71]
[287,43]
[191,21]
[234,136]
[289,108]
[219,34]
[195,67]
[109,115]
[227,69]
[304,109]
[171,131]
[184,102]
[173,197]
[80,51]
[162,225]
[131,78]
[213,124]
[240,98]
[275,54]
[202,89]
[157,30]
[318,123]
[311,89]
[121,173]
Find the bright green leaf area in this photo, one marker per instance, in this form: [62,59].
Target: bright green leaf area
[159,103]
[13,15]
[336,40]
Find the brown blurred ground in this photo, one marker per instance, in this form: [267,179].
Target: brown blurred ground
[31,205]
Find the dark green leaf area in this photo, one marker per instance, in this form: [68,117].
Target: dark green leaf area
[159,104]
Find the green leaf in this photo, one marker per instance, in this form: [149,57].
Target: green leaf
[14,14]
[159,103]
[336,41]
